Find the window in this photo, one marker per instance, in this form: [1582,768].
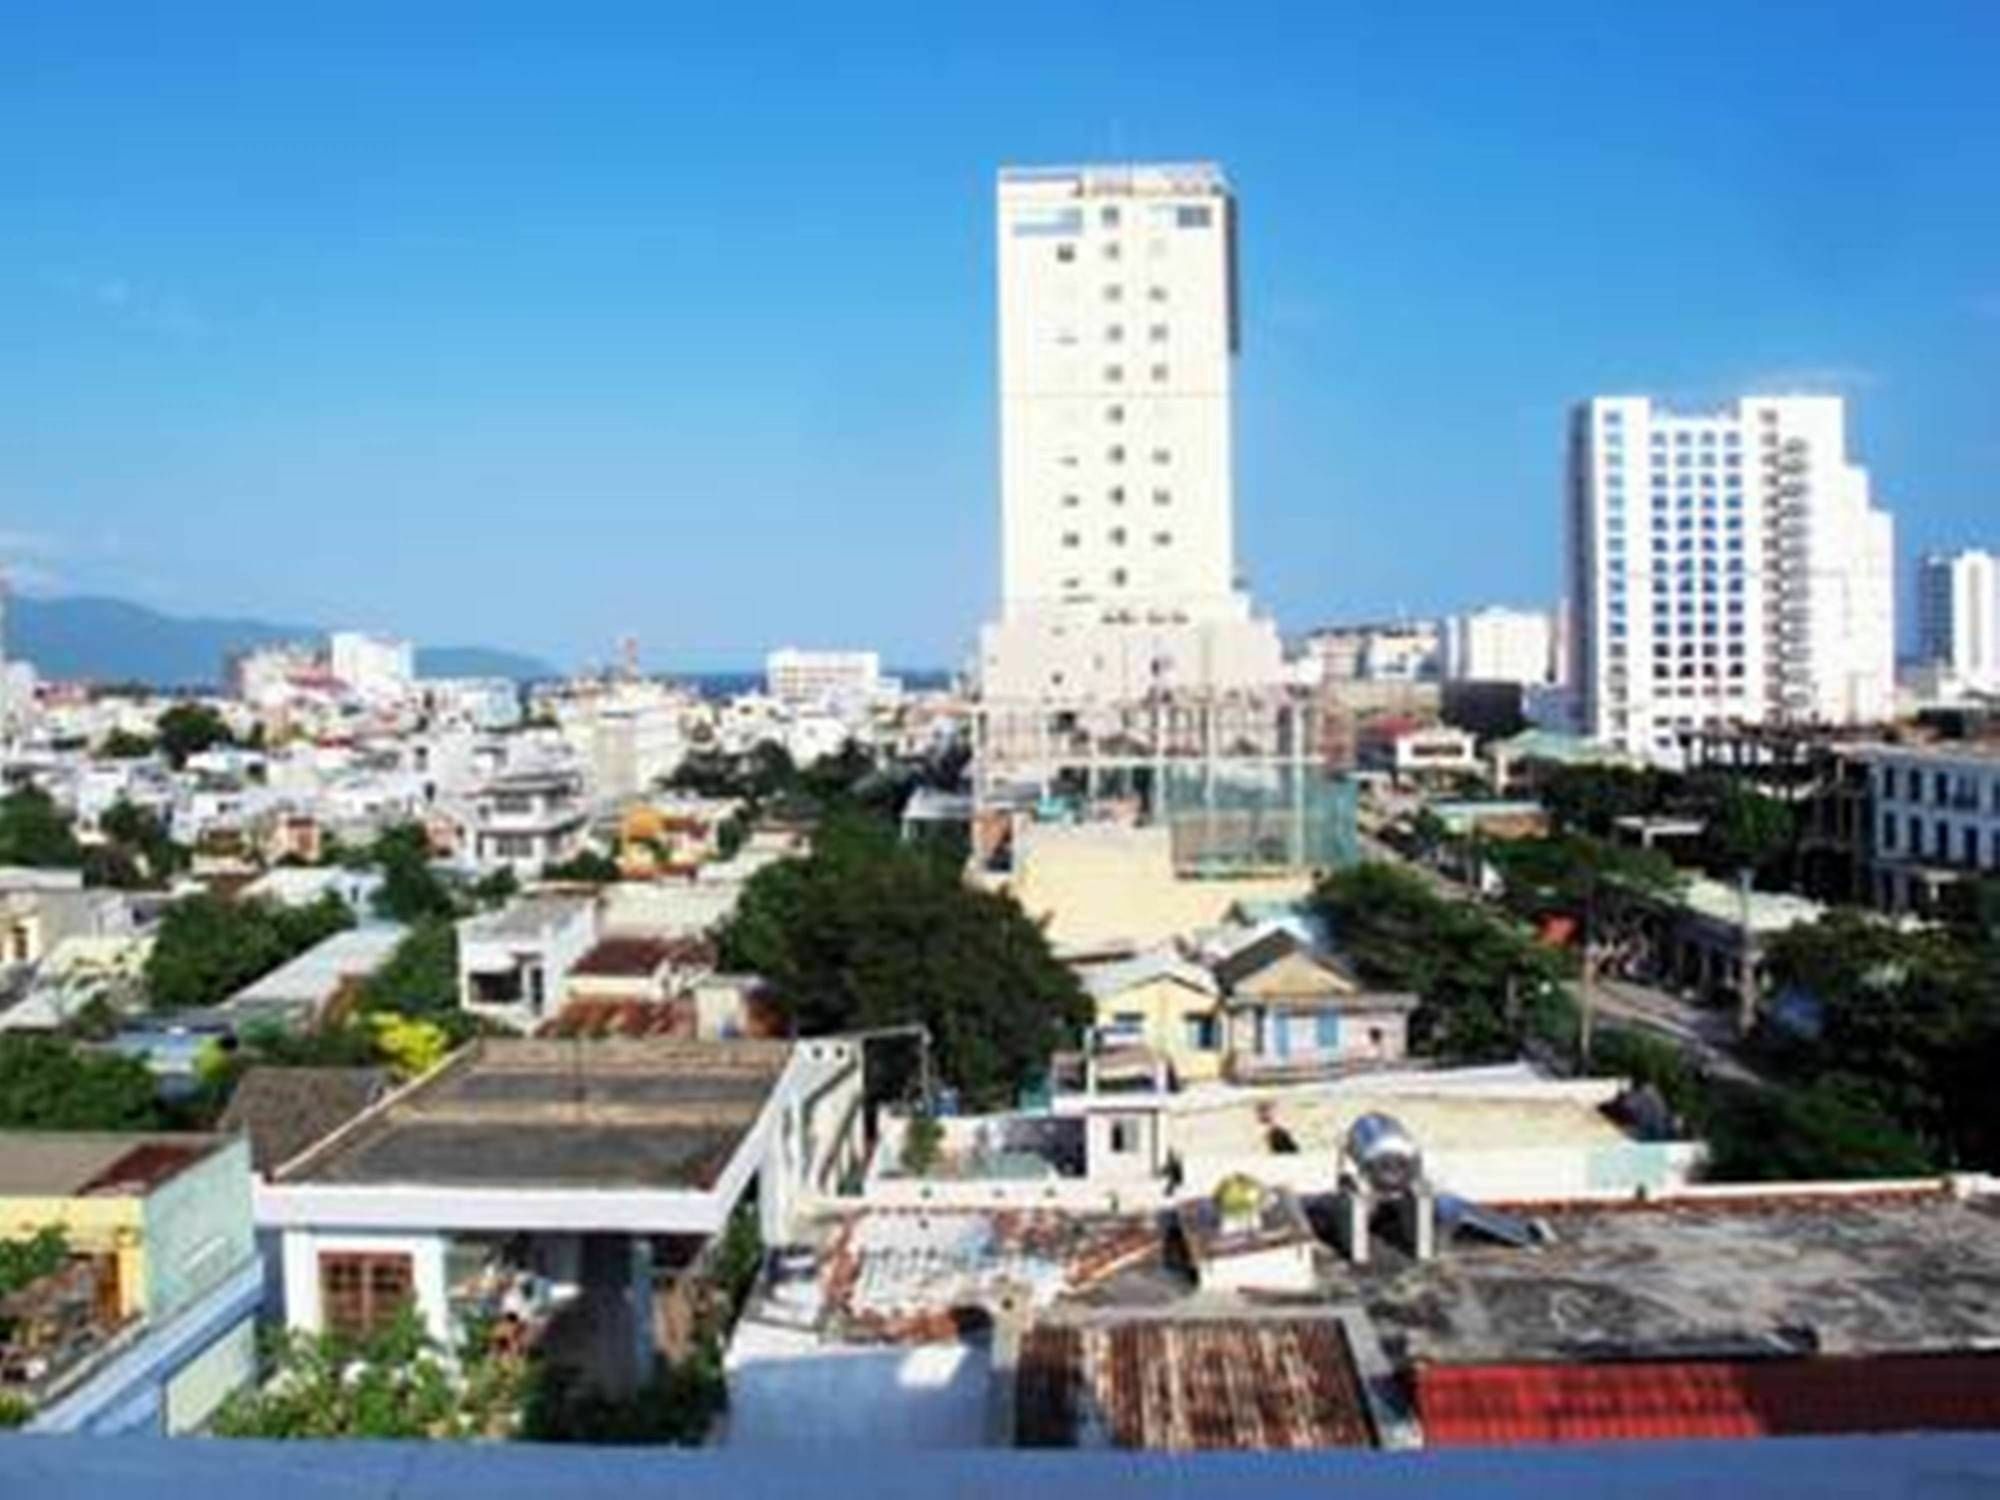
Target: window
[1114,373]
[1116,494]
[1066,253]
[1070,502]
[1165,497]
[1157,333]
[1114,413]
[1156,294]
[1118,578]
[1113,333]
[360,1293]
[1161,456]
[1118,536]
[1112,251]
[1159,372]
[1114,293]
[1070,539]
[1163,539]
[1191,217]
[1115,454]
[1108,216]
[1124,1136]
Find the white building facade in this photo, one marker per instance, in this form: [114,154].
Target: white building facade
[795,677]
[1724,566]
[1937,820]
[1958,616]
[372,666]
[1118,336]
[1500,645]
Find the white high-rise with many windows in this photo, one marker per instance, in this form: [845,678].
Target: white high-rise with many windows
[1725,567]
[1958,616]
[1118,333]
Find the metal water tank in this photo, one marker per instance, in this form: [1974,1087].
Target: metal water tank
[1385,1153]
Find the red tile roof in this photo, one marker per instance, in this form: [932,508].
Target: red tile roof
[1500,1405]
[640,957]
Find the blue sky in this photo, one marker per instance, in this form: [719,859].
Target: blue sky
[539,325]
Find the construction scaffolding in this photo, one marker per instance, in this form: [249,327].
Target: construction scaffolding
[1248,780]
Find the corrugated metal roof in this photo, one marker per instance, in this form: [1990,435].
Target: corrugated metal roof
[1223,1384]
[1650,1400]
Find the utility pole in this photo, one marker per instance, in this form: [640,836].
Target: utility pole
[1746,957]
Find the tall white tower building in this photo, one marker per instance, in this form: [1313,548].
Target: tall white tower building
[1724,566]
[1118,332]
[1958,616]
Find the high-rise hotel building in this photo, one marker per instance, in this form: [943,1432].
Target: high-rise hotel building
[1118,333]
[1725,567]
[1958,616]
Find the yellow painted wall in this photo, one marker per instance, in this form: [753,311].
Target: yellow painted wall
[1167,1007]
[1102,884]
[94,1226]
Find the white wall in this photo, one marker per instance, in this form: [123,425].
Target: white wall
[303,1248]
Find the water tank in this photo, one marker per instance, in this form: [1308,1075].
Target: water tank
[1385,1153]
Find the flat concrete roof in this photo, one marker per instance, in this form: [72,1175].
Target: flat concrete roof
[1845,1274]
[63,1164]
[529,917]
[1442,1121]
[614,1113]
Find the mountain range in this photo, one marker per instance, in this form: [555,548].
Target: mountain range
[114,640]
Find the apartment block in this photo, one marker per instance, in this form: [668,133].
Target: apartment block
[1725,567]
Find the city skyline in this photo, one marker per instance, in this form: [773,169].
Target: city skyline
[430,344]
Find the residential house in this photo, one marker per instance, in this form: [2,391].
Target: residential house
[1295,1012]
[551,1191]
[513,963]
[523,820]
[304,991]
[1164,1002]
[146,1322]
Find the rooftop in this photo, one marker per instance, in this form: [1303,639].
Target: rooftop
[36,1164]
[286,1110]
[1233,1384]
[632,1113]
[1837,1274]
[635,957]
[528,918]
[320,971]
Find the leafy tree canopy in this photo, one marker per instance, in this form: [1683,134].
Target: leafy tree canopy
[586,867]
[868,932]
[187,729]
[208,947]
[34,831]
[1479,977]
[411,890]
[395,1383]
[50,1084]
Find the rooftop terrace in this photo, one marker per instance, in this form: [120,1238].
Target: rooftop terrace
[589,1114]
[1840,1274]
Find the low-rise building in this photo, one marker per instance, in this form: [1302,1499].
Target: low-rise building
[553,1189]
[513,964]
[304,990]
[144,1319]
[524,820]
[1293,1012]
[1936,820]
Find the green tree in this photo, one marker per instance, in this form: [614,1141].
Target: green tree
[138,850]
[420,977]
[34,831]
[865,932]
[208,947]
[1478,976]
[1747,830]
[411,890]
[1591,799]
[122,744]
[187,729]
[1823,1131]
[394,1383]
[50,1084]
[586,867]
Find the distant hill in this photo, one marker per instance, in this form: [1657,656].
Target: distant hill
[113,640]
